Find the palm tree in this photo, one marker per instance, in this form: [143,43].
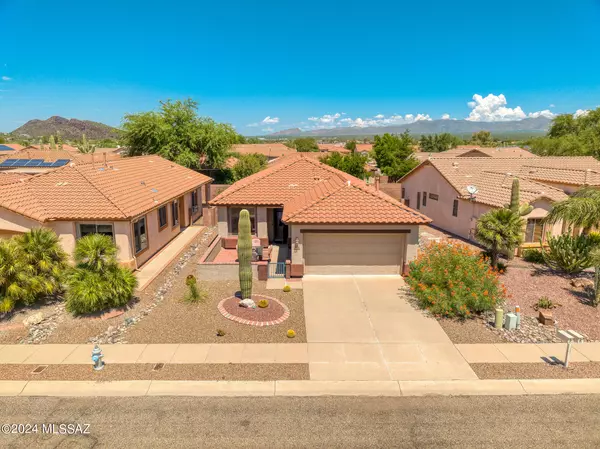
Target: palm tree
[15,276]
[582,209]
[499,230]
[98,282]
[44,257]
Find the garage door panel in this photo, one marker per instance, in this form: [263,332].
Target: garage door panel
[353,253]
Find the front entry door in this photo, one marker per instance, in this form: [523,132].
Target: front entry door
[278,237]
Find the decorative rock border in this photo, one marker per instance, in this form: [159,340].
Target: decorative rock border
[229,316]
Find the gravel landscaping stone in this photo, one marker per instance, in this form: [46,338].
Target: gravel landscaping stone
[582,370]
[527,284]
[469,331]
[214,371]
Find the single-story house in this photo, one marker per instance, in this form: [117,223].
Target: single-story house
[332,222]
[440,188]
[478,151]
[65,147]
[141,202]
[270,150]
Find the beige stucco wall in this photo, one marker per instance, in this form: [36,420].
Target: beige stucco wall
[157,238]
[12,223]
[541,208]
[222,221]
[429,180]
[412,238]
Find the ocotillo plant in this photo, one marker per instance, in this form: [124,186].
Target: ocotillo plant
[245,254]
[515,201]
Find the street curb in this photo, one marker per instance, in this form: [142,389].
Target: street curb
[304,388]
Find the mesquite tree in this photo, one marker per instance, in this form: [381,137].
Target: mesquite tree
[245,254]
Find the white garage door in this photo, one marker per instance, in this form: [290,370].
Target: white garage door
[353,253]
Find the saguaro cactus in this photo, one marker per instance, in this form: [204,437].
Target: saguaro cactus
[515,200]
[245,254]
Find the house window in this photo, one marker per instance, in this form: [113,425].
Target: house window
[534,232]
[424,198]
[434,197]
[162,217]
[140,235]
[175,212]
[234,216]
[84,229]
[403,192]
[407,202]
[455,208]
[418,200]
[194,198]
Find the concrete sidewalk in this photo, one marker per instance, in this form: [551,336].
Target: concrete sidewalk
[299,388]
[151,269]
[408,354]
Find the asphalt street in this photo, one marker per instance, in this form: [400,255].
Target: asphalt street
[323,422]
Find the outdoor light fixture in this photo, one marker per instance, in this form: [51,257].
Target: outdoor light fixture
[296,244]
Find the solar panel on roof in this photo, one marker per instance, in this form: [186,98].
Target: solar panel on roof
[61,162]
[8,162]
[46,164]
[5,148]
[34,163]
[20,162]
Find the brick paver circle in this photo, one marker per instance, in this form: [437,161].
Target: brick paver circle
[265,320]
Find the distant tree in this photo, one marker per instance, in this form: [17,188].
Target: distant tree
[85,146]
[2,139]
[52,143]
[393,154]
[41,144]
[305,144]
[59,141]
[351,145]
[247,165]
[353,164]
[563,125]
[436,143]
[107,143]
[253,140]
[177,133]
[483,138]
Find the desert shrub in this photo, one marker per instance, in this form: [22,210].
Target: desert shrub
[533,256]
[220,333]
[263,303]
[98,282]
[195,293]
[545,303]
[287,289]
[452,280]
[569,254]
[291,333]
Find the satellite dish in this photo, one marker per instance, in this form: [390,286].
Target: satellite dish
[472,190]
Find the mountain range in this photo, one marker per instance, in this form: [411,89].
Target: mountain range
[530,126]
[69,129]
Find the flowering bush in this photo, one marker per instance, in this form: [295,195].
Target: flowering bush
[452,280]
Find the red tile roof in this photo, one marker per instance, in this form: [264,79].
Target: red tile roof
[121,190]
[312,192]
[7,177]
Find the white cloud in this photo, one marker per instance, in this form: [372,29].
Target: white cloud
[420,117]
[581,112]
[545,113]
[6,78]
[379,116]
[552,105]
[326,119]
[445,116]
[493,109]
[268,120]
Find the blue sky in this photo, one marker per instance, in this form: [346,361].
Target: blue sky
[309,64]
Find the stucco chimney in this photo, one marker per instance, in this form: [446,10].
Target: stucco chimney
[377,183]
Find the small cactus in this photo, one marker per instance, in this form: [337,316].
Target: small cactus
[52,143]
[291,333]
[287,289]
[515,202]
[245,254]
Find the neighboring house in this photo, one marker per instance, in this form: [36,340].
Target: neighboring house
[333,148]
[478,151]
[34,161]
[438,188]
[65,147]
[270,150]
[141,202]
[332,222]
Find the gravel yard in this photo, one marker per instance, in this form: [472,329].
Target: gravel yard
[575,312]
[213,371]
[58,326]
[469,331]
[587,370]
[175,321]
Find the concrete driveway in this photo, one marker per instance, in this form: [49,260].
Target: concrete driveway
[362,328]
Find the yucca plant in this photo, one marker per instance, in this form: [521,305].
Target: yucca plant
[500,231]
[98,282]
[568,253]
